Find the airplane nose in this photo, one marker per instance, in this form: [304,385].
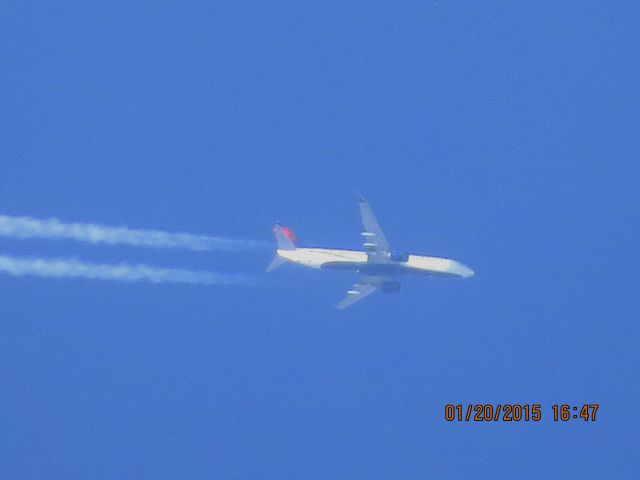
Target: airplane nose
[463,270]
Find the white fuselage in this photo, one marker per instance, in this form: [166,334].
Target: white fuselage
[359,261]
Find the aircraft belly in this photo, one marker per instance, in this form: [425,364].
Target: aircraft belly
[381,268]
[323,258]
[341,265]
[342,259]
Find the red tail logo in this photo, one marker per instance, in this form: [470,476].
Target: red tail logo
[289,234]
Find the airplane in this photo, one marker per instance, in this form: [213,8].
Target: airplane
[376,266]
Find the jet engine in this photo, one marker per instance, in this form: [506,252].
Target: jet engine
[400,257]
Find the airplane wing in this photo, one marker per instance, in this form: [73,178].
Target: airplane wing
[374,240]
[364,286]
[357,293]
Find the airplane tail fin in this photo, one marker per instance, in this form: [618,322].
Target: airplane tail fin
[285,240]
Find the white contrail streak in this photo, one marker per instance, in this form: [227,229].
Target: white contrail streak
[62,268]
[27,227]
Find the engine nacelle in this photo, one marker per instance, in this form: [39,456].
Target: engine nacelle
[391,287]
[400,257]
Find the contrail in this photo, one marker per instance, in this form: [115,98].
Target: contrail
[52,228]
[62,268]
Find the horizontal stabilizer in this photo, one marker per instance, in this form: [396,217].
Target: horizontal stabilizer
[275,263]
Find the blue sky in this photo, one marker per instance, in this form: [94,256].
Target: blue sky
[502,135]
